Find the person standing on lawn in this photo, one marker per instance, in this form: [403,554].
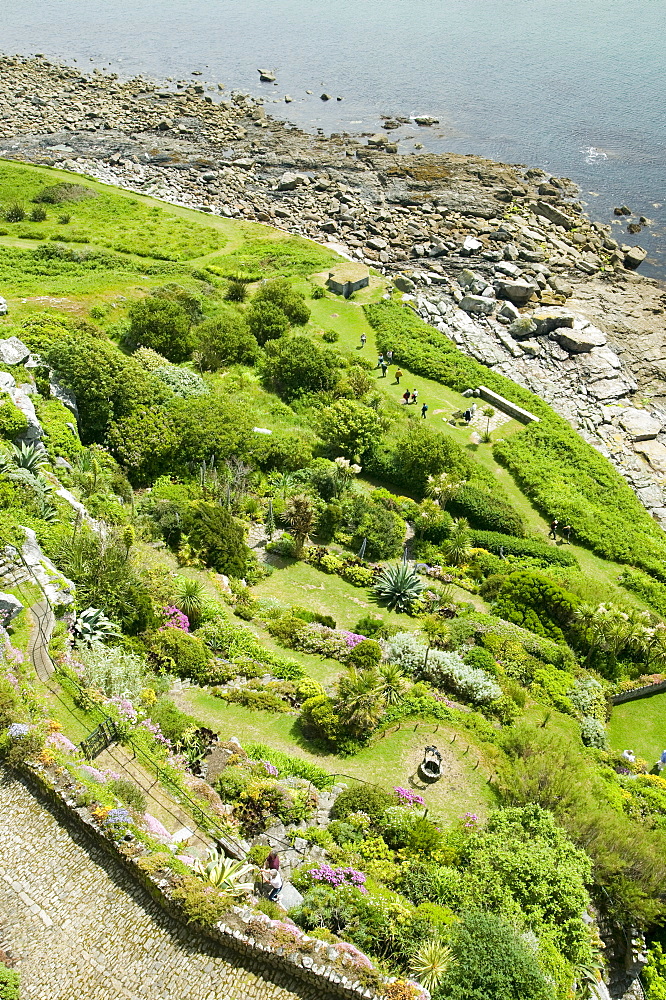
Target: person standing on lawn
[363,339]
[384,369]
[424,410]
[405,397]
[398,376]
[554,524]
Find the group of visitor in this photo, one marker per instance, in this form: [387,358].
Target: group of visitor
[565,531]
[409,397]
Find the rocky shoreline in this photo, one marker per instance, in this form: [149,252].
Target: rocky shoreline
[500,257]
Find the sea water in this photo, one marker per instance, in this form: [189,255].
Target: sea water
[577,87]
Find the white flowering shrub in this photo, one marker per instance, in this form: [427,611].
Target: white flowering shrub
[114,671]
[447,670]
[407,650]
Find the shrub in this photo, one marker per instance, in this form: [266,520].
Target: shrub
[224,340]
[492,961]
[12,421]
[407,650]
[38,214]
[449,671]
[181,381]
[297,366]
[9,983]
[15,212]
[593,733]
[362,798]
[114,671]
[182,654]
[281,293]
[330,336]
[236,291]
[173,723]
[536,603]
[266,321]
[290,766]
[486,511]
[417,454]
[257,700]
[372,627]
[510,546]
[365,655]
[216,538]
[319,720]
[129,793]
[162,325]
[143,443]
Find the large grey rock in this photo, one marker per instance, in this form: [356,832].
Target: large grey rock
[609,388]
[581,339]
[478,305]
[509,312]
[639,424]
[547,320]
[10,607]
[7,382]
[634,258]
[290,181]
[404,284]
[548,211]
[56,586]
[518,292]
[13,351]
[290,896]
[62,393]
[22,401]
[471,244]
[655,452]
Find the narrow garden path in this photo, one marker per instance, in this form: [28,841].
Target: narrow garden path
[40,636]
[81,930]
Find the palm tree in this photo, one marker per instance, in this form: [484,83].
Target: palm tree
[300,516]
[391,684]
[190,596]
[282,482]
[457,547]
[437,633]
[358,703]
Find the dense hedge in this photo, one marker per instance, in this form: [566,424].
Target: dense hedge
[494,541]
[562,475]
[483,510]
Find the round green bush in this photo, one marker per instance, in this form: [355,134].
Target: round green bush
[12,421]
[182,654]
[365,655]
[362,798]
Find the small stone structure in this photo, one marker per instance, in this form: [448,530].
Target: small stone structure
[517,412]
[348,278]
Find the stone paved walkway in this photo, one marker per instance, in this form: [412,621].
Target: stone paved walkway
[81,930]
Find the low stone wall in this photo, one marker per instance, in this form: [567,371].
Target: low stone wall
[637,693]
[506,406]
[310,965]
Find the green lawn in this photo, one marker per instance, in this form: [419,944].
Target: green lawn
[640,726]
[388,762]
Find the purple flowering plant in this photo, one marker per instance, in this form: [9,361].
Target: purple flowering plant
[174,618]
[337,877]
[18,730]
[117,818]
[470,821]
[406,797]
[352,638]
[270,768]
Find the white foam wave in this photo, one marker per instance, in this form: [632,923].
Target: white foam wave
[593,155]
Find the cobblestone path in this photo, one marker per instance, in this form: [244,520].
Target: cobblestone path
[81,930]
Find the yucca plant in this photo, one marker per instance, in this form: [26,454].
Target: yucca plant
[399,585]
[457,547]
[431,962]
[92,625]
[190,596]
[225,873]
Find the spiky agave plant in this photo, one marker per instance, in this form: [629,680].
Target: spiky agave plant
[225,873]
[92,625]
[399,585]
[28,456]
[431,962]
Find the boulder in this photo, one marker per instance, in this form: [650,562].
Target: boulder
[13,351]
[471,245]
[554,215]
[547,320]
[426,120]
[609,388]
[532,348]
[478,305]
[654,452]
[58,589]
[509,311]
[290,896]
[7,382]
[634,257]
[519,292]
[66,396]
[10,607]
[509,270]
[266,76]
[639,424]
[404,284]
[376,243]
[325,97]
[22,401]
[289,181]
[581,339]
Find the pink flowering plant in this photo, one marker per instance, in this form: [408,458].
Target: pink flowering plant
[174,618]
[470,821]
[337,877]
[406,797]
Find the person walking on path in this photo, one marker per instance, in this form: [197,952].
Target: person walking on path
[553,528]
[384,369]
[414,396]
[274,880]
[389,356]
[566,533]
[272,862]
[398,376]
[405,397]
[363,340]
[467,415]
[424,410]
[380,361]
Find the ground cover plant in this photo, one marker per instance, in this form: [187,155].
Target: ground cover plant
[262,541]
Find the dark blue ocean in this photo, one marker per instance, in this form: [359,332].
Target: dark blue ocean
[577,87]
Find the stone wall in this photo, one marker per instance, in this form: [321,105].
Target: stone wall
[642,692]
[310,964]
